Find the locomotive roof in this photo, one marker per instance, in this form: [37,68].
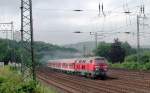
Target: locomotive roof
[75,59]
[63,60]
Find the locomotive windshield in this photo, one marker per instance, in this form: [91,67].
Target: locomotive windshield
[100,60]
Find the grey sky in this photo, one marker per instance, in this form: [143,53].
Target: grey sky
[54,20]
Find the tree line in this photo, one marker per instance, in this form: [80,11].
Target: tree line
[10,51]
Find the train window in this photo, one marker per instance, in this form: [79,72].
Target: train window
[91,61]
[70,65]
[80,61]
[84,61]
[66,65]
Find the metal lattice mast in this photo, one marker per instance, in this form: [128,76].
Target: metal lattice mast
[27,55]
[8,29]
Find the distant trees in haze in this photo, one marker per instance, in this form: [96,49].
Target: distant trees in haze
[42,49]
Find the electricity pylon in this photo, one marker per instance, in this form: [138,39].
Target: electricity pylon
[27,54]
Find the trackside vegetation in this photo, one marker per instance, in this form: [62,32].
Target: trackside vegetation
[132,64]
[10,51]
[43,51]
[11,82]
[122,55]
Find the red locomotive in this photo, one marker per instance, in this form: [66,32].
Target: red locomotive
[92,67]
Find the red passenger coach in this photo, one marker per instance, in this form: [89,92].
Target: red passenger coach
[64,64]
[90,67]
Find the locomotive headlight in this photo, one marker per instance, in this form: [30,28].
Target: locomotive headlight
[97,67]
[105,66]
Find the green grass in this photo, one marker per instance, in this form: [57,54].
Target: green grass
[11,82]
[41,88]
[132,65]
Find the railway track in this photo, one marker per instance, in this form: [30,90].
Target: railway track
[75,84]
[134,74]
[81,86]
[62,86]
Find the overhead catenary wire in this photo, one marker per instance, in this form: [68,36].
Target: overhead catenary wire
[118,12]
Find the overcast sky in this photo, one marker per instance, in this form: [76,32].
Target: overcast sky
[55,22]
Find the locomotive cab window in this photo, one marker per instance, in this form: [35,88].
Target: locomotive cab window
[100,60]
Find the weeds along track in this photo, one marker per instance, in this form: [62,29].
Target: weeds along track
[75,84]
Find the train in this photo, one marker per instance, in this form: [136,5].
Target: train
[92,67]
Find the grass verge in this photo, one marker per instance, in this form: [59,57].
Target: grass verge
[11,82]
[132,66]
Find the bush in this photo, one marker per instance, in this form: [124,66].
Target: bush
[131,58]
[2,80]
[146,66]
[11,82]
[144,58]
[116,65]
[131,62]
[131,65]
[127,65]
[27,87]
